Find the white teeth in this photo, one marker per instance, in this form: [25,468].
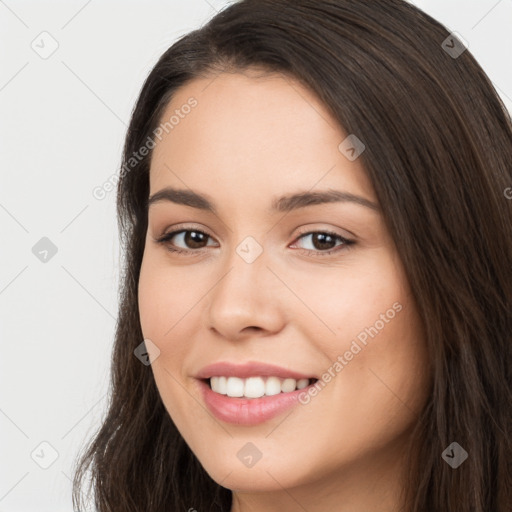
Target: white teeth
[220,384]
[272,386]
[235,387]
[288,385]
[223,385]
[255,387]
[302,383]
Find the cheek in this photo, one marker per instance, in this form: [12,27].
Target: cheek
[150,301]
[165,296]
[169,309]
[372,340]
[344,304]
[160,309]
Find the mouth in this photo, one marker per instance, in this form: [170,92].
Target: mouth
[256,409]
[251,393]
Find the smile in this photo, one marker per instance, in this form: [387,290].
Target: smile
[249,411]
[252,392]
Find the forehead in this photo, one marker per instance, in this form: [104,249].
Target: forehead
[253,135]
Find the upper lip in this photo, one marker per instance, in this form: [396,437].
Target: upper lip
[249,369]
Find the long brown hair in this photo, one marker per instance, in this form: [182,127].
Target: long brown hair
[439,155]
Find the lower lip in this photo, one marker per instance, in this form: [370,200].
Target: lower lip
[248,411]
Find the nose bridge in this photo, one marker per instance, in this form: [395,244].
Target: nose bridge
[245,294]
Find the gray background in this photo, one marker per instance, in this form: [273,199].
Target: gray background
[63,121]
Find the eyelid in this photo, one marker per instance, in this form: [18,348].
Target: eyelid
[308,229]
[183,227]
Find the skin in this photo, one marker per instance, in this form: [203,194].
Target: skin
[249,139]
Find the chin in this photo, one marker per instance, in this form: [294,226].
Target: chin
[266,475]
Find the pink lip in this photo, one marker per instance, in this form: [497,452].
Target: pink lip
[250,369]
[248,411]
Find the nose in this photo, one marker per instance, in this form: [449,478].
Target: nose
[247,299]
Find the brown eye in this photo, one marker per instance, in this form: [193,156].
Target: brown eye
[189,238]
[325,242]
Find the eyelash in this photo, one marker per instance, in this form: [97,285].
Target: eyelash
[165,239]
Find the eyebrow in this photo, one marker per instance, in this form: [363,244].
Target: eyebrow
[285,203]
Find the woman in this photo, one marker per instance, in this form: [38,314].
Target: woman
[315,313]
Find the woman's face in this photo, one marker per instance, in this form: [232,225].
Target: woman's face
[273,283]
